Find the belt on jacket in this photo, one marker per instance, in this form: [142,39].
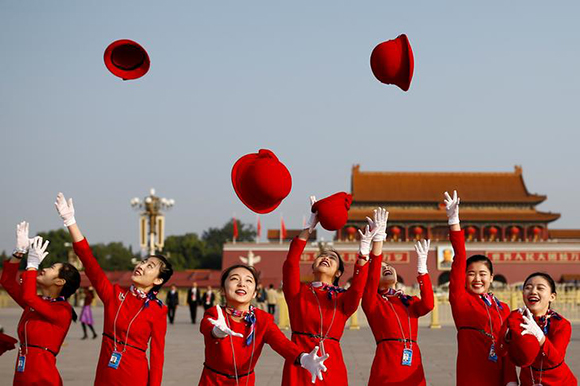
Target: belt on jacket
[40,347]
[229,376]
[546,369]
[396,340]
[315,336]
[123,343]
[478,330]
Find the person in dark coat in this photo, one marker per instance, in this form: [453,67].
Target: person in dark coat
[172,302]
[193,300]
[208,299]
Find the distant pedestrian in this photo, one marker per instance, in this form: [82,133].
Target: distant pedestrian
[272,298]
[208,299]
[86,318]
[172,302]
[193,300]
[261,297]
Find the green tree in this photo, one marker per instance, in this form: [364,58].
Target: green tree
[215,238]
[186,251]
[57,250]
[114,256]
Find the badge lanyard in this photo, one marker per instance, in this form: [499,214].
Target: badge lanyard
[492,356]
[234,353]
[116,355]
[407,351]
[21,364]
[324,336]
[541,368]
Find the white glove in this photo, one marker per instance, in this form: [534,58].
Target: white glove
[380,223]
[422,251]
[314,364]
[366,239]
[220,327]
[65,209]
[452,208]
[22,240]
[531,327]
[313,220]
[37,252]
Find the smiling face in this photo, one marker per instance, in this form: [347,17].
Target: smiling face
[388,276]
[239,287]
[146,273]
[478,278]
[538,295]
[326,264]
[49,276]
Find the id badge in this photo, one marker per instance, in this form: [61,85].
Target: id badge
[21,363]
[407,357]
[492,355]
[115,360]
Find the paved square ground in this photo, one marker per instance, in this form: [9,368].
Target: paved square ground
[184,353]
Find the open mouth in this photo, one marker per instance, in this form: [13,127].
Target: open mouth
[325,263]
[533,299]
[241,292]
[387,272]
[138,272]
[476,285]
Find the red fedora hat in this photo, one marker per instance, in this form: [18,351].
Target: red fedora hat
[333,210]
[127,59]
[261,181]
[392,62]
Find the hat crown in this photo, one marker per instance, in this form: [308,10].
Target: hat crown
[392,62]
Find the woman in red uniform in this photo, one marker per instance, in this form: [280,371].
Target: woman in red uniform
[393,318]
[478,315]
[319,310]
[233,343]
[552,331]
[133,317]
[46,319]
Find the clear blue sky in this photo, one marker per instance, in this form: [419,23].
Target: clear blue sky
[496,84]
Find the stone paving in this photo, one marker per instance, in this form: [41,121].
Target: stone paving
[184,354]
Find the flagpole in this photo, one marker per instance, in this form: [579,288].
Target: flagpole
[281,221]
[258,229]
[234,229]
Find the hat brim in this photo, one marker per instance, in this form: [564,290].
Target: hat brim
[130,74]
[237,172]
[411,67]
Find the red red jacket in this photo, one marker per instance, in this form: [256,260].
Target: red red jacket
[472,319]
[387,368]
[150,324]
[220,359]
[549,367]
[46,324]
[305,318]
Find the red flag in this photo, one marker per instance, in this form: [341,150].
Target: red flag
[235,229]
[282,229]
[258,229]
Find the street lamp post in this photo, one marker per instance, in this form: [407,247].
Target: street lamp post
[151,215]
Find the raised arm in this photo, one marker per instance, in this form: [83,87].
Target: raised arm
[10,269]
[157,352]
[376,256]
[457,237]
[426,303]
[94,272]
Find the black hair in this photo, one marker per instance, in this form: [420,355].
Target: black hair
[545,276]
[340,263]
[165,271]
[72,282]
[271,285]
[72,279]
[480,258]
[227,271]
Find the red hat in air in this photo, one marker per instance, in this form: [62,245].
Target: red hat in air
[261,181]
[333,210]
[7,343]
[522,349]
[127,59]
[392,62]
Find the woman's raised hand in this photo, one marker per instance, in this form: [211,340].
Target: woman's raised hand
[313,220]
[379,224]
[366,239]
[452,208]
[220,327]
[314,364]
[65,209]
[22,240]
[37,253]
[530,327]
[422,249]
